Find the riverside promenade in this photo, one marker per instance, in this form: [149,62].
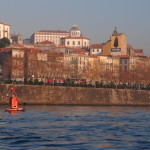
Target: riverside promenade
[64,95]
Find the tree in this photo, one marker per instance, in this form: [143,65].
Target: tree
[4,42]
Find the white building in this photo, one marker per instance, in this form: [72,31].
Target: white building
[96,49]
[4,30]
[49,35]
[75,39]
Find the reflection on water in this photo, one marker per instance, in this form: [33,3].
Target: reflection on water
[75,127]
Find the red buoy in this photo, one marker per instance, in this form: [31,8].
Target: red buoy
[14,109]
[13,102]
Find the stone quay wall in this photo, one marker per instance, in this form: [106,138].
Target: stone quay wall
[62,95]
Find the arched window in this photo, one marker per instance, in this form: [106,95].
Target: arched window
[68,43]
[84,43]
[73,43]
[78,42]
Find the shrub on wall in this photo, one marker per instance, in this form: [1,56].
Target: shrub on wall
[41,83]
[36,81]
[9,81]
[30,82]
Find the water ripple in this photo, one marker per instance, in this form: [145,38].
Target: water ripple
[70,127]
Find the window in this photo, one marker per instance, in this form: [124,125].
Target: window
[120,61]
[68,43]
[97,50]
[125,68]
[73,43]
[78,42]
[125,61]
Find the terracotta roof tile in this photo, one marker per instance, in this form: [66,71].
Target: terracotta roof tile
[122,56]
[53,31]
[138,50]
[17,45]
[64,47]
[96,46]
[5,50]
[93,56]
[80,50]
[45,42]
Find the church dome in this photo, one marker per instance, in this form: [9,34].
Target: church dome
[75,32]
[74,28]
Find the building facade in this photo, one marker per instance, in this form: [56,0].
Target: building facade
[49,35]
[4,30]
[96,49]
[12,62]
[75,39]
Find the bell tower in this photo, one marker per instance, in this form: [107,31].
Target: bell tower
[19,39]
[118,43]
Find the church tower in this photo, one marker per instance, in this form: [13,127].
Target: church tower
[19,39]
[118,43]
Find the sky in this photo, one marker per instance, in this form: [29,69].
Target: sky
[96,19]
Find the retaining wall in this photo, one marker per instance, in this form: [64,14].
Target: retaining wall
[61,95]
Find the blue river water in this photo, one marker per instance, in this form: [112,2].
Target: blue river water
[75,127]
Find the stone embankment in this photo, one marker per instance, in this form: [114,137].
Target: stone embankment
[62,95]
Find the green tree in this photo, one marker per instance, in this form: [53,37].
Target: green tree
[4,42]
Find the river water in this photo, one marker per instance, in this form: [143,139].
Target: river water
[75,127]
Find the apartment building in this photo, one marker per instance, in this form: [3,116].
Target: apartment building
[4,30]
[12,64]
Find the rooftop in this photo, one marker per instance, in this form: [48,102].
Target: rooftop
[4,23]
[80,37]
[96,46]
[53,31]
[138,50]
[80,51]
[45,42]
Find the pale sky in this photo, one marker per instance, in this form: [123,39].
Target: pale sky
[95,18]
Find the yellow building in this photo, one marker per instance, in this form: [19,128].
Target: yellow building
[117,45]
[107,48]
